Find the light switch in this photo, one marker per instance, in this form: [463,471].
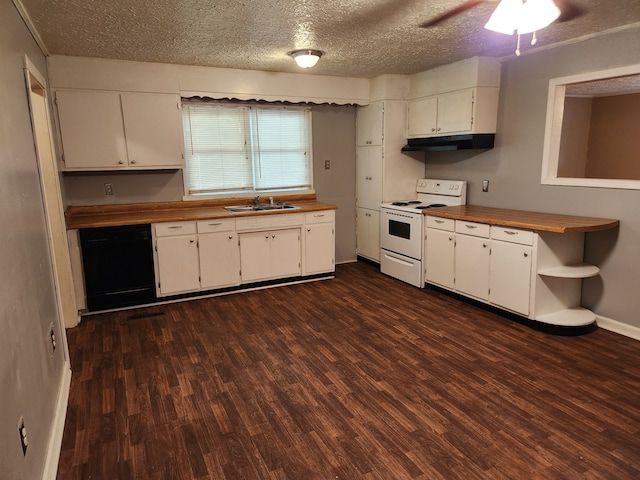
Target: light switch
[327,164]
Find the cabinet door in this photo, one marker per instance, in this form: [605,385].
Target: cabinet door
[455,112]
[472,266]
[178,270]
[153,127]
[422,117]
[319,248]
[285,253]
[369,177]
[219,259]
[255,256]
[439,255]
[510,276]
[91,130]
[368,233]
[370,124]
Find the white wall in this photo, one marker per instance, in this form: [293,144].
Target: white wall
[30,378]
[514,168]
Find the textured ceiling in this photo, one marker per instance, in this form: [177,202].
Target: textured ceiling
[360,38]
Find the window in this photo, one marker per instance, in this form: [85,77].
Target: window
[233,148]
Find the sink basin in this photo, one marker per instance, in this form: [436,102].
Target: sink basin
[261,208]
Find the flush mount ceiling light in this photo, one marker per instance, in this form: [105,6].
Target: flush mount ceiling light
[306,58]
[522,16]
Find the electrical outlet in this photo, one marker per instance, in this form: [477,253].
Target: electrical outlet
[327,164]
[485,185]
[22,431]
[52,339]
[108,188]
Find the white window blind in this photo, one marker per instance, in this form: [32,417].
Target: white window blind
[233,148]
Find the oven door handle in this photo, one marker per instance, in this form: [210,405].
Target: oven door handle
[398,260]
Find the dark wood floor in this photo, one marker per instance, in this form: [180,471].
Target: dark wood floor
[359,377]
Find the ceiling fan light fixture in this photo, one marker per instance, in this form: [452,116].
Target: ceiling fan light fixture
[536,15]
[505,18]
[523,16]
[306,58]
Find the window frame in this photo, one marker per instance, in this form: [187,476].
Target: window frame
[251,106]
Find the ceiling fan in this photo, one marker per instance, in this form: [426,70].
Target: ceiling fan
[568,11]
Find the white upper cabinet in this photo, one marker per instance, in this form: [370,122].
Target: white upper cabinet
[153,128]
[92,130]
[120,131]
[370,124]
[474,110]
[458,98]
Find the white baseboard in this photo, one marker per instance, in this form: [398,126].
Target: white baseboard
[55,438]
[618,327]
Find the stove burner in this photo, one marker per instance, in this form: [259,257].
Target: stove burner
[406,203]
[433,205]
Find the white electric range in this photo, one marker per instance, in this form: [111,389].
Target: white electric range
[402,227]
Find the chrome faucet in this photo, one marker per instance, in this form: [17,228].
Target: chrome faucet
[256,200]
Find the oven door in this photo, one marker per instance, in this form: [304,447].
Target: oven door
[401,232]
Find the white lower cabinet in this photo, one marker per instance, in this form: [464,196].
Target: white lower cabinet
[319,242]
[472,256]
[269,254]
[534,274]
[510,276]
[219,255]
[176,258]
[368,233]
[226,252]
[472,266]
[439,257]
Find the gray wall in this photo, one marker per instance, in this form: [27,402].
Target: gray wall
[29,377]
[334,134]
[514,169]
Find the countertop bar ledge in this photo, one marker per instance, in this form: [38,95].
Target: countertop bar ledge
[537,221]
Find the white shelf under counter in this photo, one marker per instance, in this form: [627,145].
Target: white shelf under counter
[569,317]
[580,270]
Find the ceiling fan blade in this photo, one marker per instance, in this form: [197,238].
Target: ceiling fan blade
[469,4]
[568,11]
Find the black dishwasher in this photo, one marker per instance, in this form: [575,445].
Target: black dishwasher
[118,266]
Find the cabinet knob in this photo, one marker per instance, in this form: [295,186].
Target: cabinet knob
[308,229]
[484,245]
[433,129]
[526,254]
[273,236]
[230,237]
[120,162]
[133,162]
[450,239]
[439,129]
[267,237]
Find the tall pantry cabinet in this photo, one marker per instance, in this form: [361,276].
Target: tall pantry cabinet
[383,172]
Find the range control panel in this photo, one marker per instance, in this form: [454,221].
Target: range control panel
[454,188]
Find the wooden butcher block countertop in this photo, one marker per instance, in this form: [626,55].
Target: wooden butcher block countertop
[543,222]
[139,213]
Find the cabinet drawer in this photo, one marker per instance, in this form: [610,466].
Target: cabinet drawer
[441,223]
[473,228]
[287,220]
[514,235]
[324,216]
[217,225]
[174,228]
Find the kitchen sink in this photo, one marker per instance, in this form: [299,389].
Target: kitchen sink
[261,208]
